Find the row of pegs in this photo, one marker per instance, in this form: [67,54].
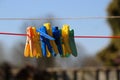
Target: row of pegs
[50,41]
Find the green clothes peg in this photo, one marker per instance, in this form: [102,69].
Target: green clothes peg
[72,43]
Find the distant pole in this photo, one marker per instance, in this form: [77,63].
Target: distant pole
[75,75]
[107,74]
[55,75]
[97,74]
[118,74]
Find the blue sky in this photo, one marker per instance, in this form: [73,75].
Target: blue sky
[58,8]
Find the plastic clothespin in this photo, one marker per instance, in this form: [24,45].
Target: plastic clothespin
[65,40]
[72,43]
[52,42]
[57,36]
[32,47]
[65,54]
[46,46]
[37,52]
[45,35]
[29,42]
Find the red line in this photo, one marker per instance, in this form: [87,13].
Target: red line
[19,34]
[97,36]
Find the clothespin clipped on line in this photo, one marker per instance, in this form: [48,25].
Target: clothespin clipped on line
[46,46]
[42,43]
[57,36]
[49,42]
[32,46]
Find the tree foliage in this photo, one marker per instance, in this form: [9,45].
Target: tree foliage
[111,55]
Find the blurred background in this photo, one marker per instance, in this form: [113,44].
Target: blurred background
[92,53]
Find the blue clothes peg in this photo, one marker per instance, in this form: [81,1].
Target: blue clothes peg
[45,35]
[57,37]
[45,42]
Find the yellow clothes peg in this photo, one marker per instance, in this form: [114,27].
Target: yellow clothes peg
[28,46]
[65,39]
[52,42]
[48,53]
[37,52]
[64,51]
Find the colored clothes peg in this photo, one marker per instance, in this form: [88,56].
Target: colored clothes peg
[37,51]
[65,39]
[28,46]
[72,43]
[65,54]
[45,35]
[46,44]
[57,36]
[47,41]
[43,46]
[32,47]
[52,42]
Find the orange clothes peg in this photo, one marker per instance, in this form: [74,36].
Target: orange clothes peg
[32,47]
[52,42]
[28,46]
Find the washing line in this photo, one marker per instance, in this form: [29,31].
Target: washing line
[72,18]
[68,18]
[20,34]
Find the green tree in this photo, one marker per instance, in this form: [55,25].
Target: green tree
[111,55]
